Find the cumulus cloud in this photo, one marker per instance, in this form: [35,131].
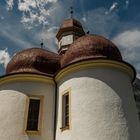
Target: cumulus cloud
[35,11]
[10,4]
[112,8]
[22,38]
[128,39]
[4,57]
[24,5]
[49,38]
[129,43]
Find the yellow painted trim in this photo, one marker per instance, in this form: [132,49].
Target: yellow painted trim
[26,77]
[95,64]
[38,132]
[25,115]
[65,92]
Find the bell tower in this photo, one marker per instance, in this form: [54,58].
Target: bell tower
[70,30]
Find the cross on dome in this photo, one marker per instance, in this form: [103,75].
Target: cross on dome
[42,44]
[71,11]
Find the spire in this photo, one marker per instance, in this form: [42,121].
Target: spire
[88,32]
[71,12]
[42,44]
[70,30]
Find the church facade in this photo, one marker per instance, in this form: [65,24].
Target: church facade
[82,93]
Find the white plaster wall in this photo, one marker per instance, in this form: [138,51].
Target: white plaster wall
[11,114]
[102,106]
[20,89]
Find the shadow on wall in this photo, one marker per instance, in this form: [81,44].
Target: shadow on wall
[136,88]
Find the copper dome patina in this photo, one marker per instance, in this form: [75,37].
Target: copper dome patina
[91,47]
[34,60]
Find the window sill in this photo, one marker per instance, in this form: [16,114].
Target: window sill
[28,132]
[65,128]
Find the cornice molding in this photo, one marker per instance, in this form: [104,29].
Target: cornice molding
[26,77]
[122,66]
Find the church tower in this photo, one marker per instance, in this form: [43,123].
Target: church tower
[70,30]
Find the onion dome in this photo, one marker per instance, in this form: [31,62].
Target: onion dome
[34,60]
[90,47]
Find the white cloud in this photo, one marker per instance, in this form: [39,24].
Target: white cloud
[128,39]
[22,38]
[138,76]
[112,8]
[116,7]
[129,44]
[4,57]
[126,3]
[84,19]
[40,12]
[35,11]
[49,38]
[24,5]
[10,4]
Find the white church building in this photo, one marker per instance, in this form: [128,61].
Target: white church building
[82,93]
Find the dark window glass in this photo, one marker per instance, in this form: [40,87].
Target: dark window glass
[65,110]
[33,114]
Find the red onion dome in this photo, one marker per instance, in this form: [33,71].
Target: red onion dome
[34,60]
[90,47]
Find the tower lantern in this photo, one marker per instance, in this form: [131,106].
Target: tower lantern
[70,30]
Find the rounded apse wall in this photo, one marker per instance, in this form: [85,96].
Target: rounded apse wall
[15,90]
[12,108]
[102,105]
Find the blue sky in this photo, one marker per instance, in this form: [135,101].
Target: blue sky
[24,23]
